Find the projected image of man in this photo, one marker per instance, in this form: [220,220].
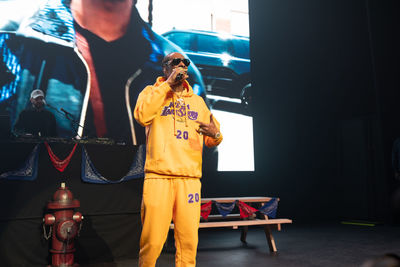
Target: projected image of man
[36,120]
[91,58]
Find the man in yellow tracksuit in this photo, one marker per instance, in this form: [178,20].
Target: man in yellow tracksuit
[177,123]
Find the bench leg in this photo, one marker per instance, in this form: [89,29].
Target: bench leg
[270,238]
[244,233]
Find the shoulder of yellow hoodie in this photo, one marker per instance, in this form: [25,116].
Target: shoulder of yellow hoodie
[205,112]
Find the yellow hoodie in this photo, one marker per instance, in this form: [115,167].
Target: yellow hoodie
[174,147]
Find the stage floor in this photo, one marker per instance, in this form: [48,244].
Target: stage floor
[298,245]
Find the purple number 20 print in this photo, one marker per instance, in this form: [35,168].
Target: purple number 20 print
[194,198]
[183,134]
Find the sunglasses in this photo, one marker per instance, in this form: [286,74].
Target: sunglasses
[176,61]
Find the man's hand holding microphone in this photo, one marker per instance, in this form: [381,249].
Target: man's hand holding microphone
[177,76]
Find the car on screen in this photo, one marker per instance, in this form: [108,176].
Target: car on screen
[222,59]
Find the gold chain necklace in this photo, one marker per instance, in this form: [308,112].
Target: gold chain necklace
[180,99]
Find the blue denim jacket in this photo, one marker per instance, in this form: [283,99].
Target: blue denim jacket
[24,58]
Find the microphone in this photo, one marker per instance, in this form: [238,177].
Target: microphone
[66,112]
[179,77]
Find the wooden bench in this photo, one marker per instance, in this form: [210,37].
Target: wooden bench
[234,221]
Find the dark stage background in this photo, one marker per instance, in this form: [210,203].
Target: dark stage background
[326,84]
[326,78]
[326,109]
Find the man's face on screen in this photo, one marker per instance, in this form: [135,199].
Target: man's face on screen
[38,102]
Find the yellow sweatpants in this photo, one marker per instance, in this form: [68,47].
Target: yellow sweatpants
[176,199]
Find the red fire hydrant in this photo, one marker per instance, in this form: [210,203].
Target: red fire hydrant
[64,225]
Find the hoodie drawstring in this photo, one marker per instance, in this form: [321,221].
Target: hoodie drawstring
[173,106]
[184,104]
[174,111]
